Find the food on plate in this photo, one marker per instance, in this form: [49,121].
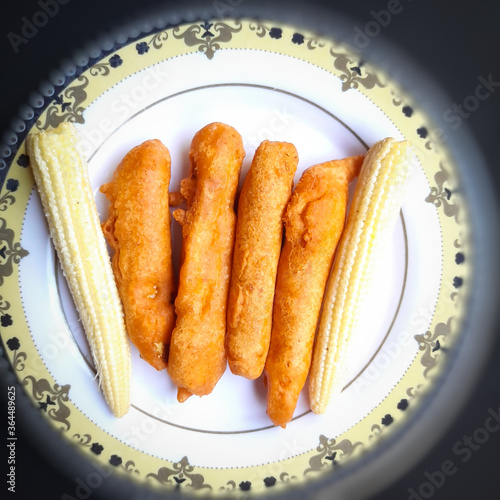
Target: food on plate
[288,311]
[314,220]
[263,198]
[62,180]
[138,231]
[376,205]
[197,356]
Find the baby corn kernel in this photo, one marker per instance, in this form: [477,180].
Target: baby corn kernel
[376,205]
[62,180]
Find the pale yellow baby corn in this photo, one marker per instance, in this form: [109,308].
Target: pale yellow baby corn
[62,180]
[376,205]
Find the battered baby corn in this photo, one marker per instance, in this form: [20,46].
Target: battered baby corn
[263,198]
[138,230]
[197,356]
[314,220]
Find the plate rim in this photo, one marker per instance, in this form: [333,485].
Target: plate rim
[126,43]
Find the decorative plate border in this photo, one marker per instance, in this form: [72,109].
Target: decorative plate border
[68,103]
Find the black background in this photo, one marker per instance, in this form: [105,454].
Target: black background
[455,41]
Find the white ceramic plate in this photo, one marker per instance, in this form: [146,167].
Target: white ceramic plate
[269,81]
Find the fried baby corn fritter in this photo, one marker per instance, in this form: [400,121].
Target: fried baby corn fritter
[197,356]
[263,198]
[138,231]
[314,220]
